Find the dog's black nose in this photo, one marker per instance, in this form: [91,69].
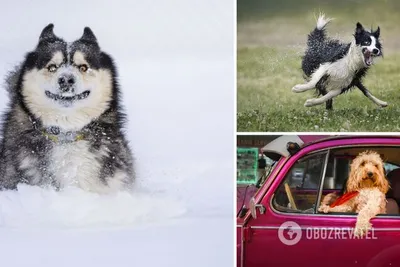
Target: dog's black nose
[66,82]
[375,51]
[370,174]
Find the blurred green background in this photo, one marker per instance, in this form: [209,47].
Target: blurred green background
[271,38]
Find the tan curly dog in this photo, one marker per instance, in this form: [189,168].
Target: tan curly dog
[364,193]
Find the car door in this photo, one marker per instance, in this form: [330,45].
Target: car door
[291,231]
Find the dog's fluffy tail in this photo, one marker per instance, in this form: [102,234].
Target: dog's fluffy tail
[318,34]
[322,21]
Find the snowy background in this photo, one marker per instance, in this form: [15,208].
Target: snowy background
[176,66]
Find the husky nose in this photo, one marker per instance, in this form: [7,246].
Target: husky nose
[66,82]
[375,51]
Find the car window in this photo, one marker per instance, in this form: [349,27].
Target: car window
[390,167]
[299,190]
[337,171]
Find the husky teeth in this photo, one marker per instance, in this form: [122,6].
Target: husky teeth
[80,96]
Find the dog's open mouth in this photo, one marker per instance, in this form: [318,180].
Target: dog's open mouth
[67,98]
[368,57]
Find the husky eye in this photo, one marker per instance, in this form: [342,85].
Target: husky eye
[365,43]
[52,68]
[83,68]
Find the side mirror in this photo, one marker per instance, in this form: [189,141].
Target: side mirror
[253,208]
[292,148]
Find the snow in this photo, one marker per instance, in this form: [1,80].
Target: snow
[74,208]
[176,66]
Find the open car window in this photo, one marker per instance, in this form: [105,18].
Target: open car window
[314,176]
[390,167]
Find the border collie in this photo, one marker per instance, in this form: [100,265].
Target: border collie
[333,67]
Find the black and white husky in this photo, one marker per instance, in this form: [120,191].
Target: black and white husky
[64,123]
[333,67]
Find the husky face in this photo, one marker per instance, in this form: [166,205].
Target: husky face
[67,84]
[369,42]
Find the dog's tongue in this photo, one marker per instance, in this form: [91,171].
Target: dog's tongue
[368,57]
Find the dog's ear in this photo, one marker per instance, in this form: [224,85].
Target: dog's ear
[377,33]
[47,32]
[359,28]
[88,35]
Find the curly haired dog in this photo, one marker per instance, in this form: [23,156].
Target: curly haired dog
[364,193]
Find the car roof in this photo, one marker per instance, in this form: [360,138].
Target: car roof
[279,145]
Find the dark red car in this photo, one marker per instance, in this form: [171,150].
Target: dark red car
[278,223]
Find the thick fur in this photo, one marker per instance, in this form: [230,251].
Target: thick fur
[367,176]
[61,90]
[333,68]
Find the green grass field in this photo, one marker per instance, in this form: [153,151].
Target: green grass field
[271,40]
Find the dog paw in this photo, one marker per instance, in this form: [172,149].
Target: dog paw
[297,88]
[383,104]
[362,227]
[309,103]
[323,208]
